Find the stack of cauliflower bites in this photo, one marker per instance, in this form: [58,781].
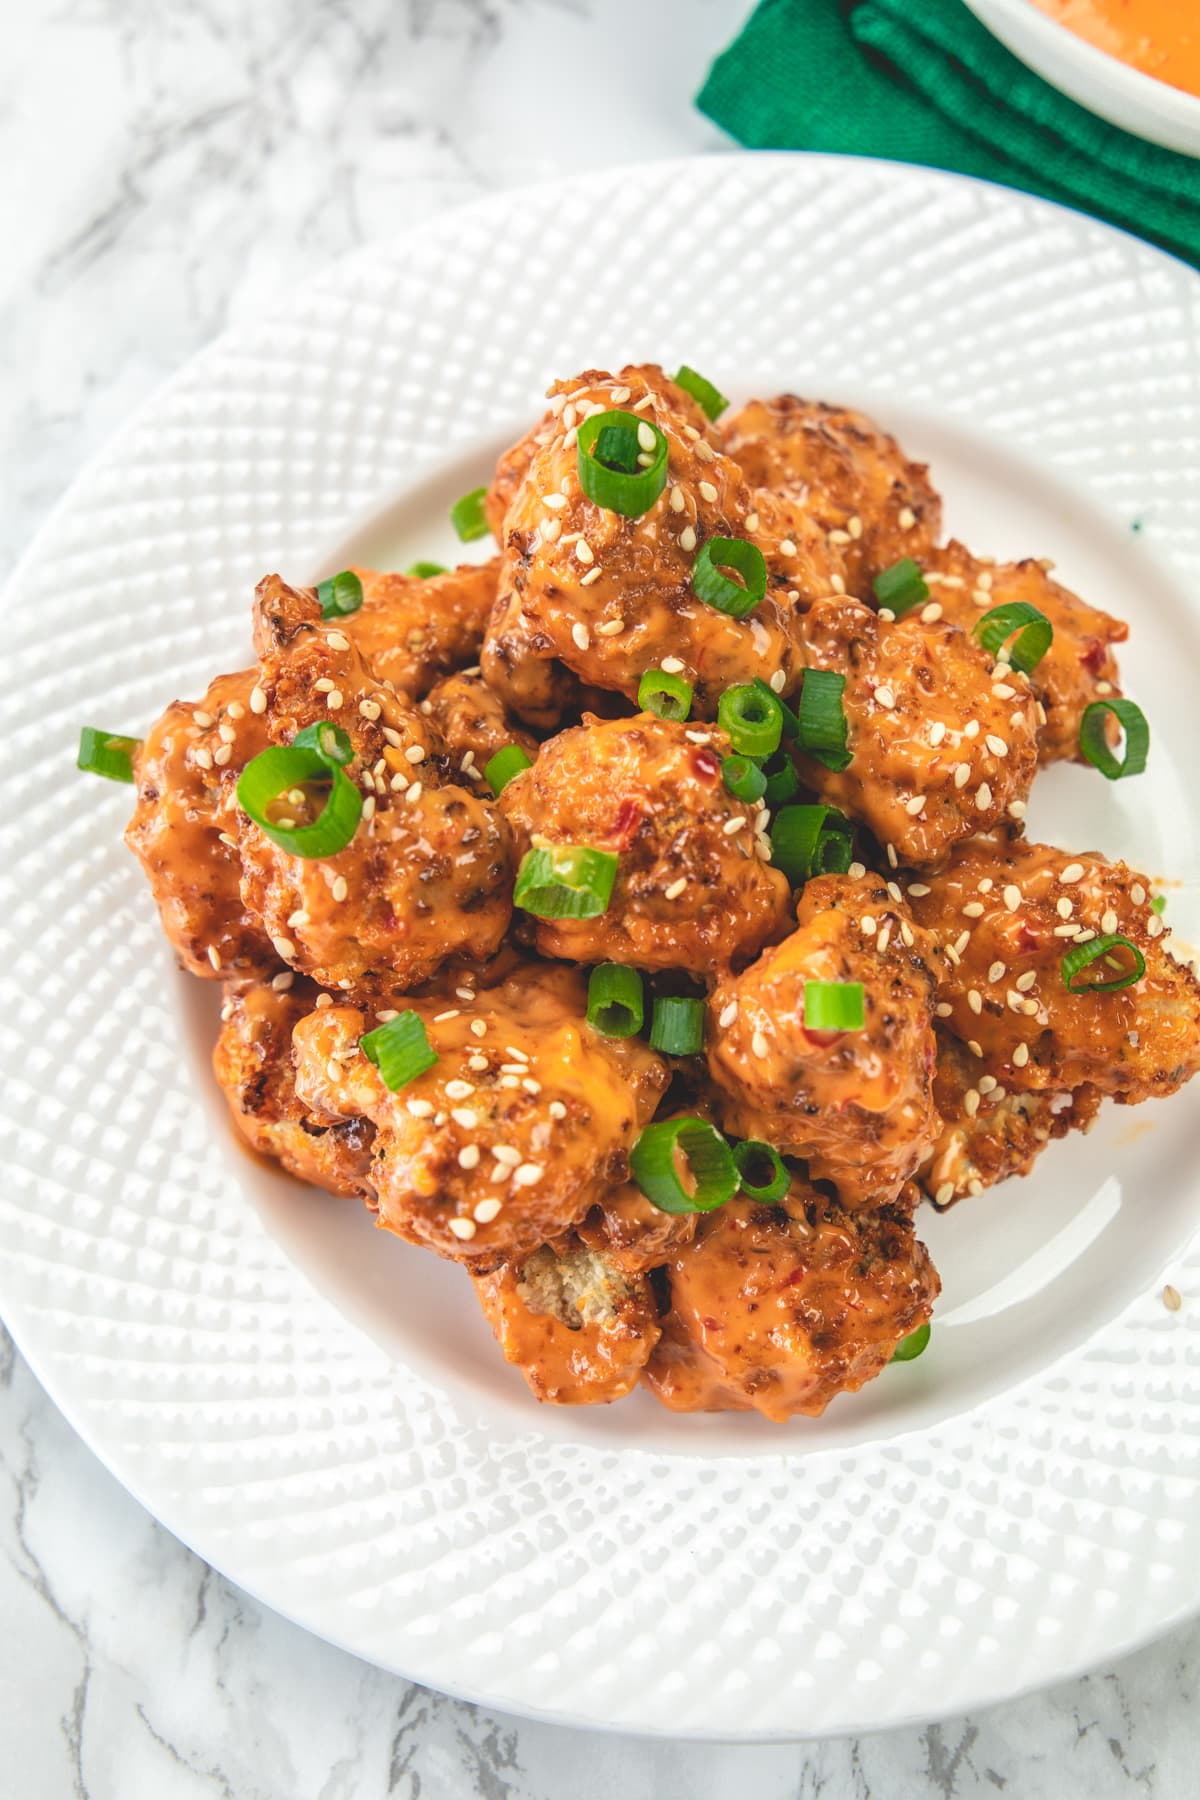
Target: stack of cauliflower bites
[643,918]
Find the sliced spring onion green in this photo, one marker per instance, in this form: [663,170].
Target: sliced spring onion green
[752,717]
[1122,973]
[425,571]
[105,753]
[731,575]
[1036,633]
[667,696]
[468,517]
[749,1157]
[709,399]
[1093,739]
[821,719]
[328,740]
[901,587]
[616,1002]
[610,447]
[834,1006]
[782,779]
[810,840]
[909,1348]
[569,881]
[501,768]
[273,773]
[1159,904]
[400,1050]
[677,1027]
[683,1166]
[744,779]
[341,595]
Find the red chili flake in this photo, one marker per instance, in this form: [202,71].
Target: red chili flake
[705,765]
[1093,657]
[1027,939]
[711,1324]
[821,1040]
[626,822]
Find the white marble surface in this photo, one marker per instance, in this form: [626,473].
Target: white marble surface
[167,166]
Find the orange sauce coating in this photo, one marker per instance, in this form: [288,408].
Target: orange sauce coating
[1159,37]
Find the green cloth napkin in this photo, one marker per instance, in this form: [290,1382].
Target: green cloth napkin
[922,81]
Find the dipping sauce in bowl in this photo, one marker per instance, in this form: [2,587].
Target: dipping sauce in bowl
[1158,37]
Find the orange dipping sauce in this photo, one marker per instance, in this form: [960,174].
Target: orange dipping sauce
[1159,37]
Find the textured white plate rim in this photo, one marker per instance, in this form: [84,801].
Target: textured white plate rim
[52,1375]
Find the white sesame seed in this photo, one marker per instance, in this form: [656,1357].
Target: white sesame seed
[465,1116]
[1016,809]
[337,641]
[884,696]
[838,537]
[464,993]
[974,1048]
[704,451]
[414,754]
[1064,908]
[555,501]
[611,628]
[646,437]
[1020,1056]
[550,530]
[759,1045]
[751,521]
[392,737]
[334,699]
[906,518]
[973,909]
[478,1027]
[1072,873]
[787,547]
[419,1109]
[557,1110]
[677,500]
[369,709]
[1137,894]
[459,1090]
[854,525]
[886,616]
[971,1102]
[856,871]
[778,681]
[504,1153]
[258,700]
[442,1017]
[983,796]
[962,774]
[907,934]
[676,888]
[732,825]
[687,538]
[592,576]
[671,665]
[413,793]
[975,1000]
[917,890]
[884,938]
[584,552]
[528,1175]
[284,946]
[1002,691]
[986,1083]
[893,888]
[915,805]
[486,1210]
[893,859]
[1066,930]
[1031,1007]
[202,758]
[477,1063]
[580,636]
[214,955]
[1154,926]
[463,1228]
[707,491]
[1108,923]
[283,981]
[961,941]
[222,755]
[996,745]
[340,888]
[531,1086]
[943,1009]
[468,1156]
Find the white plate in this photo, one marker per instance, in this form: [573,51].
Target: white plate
[318,1408]
[1106,86]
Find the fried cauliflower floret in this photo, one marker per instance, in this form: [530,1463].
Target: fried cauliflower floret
[578,1327]
[610,596]
[252,1062]
[412,630]
[1006,912]
[990,1132]
[526,1117]
[520,666]
[190,759]
[851,477]
[939,750]
[428,872]
[633,1233]
[693,889]
[780,1308]
[1079,666]
[473,725]
[856,1106]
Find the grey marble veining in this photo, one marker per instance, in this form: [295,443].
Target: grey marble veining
[167,166]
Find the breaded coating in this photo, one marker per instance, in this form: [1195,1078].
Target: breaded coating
[473,725]
[1079,666]
[1006,912]
[520,666]
[939,750]
[252,1061]
[525,1119]
[611,597]
[851,476]
[633,1233]
[412,630]
[780,1308]
[428,873]
[189,761]
[857,1106]
[578,1327]
[693,888]
[991,1132]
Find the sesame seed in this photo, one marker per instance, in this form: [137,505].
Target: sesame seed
[1064,907]
[945,1194]
[504,1153]
[441,1018]
[611,628]
[337,641]
[258,700]
[997,972]
[906,518]
[486,1210]
[1031,1008]
[466,1117]
[704,451]
[884,696]
[463,1228]
[893,888]
[284,946]
[787,547]
[477,1063]
[512,1050]
[1154,926]
[917,890]
[885,938]
[1172,1299]
[1016,809]
[893,859]
[1104,687]
[687,538]
[1002,691]
[214,955]
[557,1110]
[580,636]
[584,552]
[869,925]
[676,888]
[838,537]
[414,754]
[340,888]
[513,1068]
[759,1045]
[227,734]
[886,615]
[915,805]
[413,793]
[334,699]
[555,501]
[986,1083]
[528,1175]
[671,665]
[932,613]
[973,909]
[854,525]
[283,981]
[856,871]
[645,401]
[974,1048]
[1137,894]
[419,1109]
[478,1027]
[1066,930]
[468,1156]
[592,576]
[961,941]
[645,436]
[1072,873]
[550,530]
[677,500]
[1026,981]
[222,755]
[465,993]
[732,825]
[707,491]
[996,745]
[943,1009]
[1020,1056]
[975,1000]
[202,758]
[1109,921]
[971,1102]
[983,796]
[459,1090]
[907,934]
[531,1086]
[962,774]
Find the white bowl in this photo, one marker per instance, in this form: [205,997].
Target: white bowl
[1124,96]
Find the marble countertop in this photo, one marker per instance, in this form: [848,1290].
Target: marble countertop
[169,168]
